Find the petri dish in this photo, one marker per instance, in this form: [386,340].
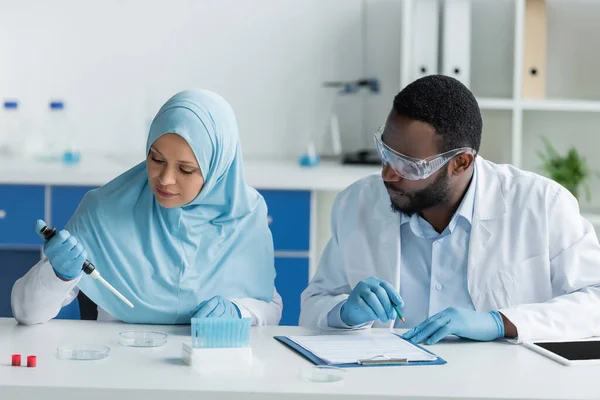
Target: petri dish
[82,352]
[142,338]
[321,374]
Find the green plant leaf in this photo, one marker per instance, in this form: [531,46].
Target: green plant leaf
[570,170]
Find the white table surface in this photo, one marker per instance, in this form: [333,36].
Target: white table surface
[474,371]
[98,169]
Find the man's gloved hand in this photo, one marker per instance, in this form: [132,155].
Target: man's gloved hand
[217,307]
[468,324]
[370,300]
[65,253]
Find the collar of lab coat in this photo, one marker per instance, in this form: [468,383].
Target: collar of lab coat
[465,210]
[490,206]
[489,198]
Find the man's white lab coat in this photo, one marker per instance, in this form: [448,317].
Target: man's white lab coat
[532,256]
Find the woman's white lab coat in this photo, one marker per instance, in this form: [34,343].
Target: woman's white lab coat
[39,295]
[531,254]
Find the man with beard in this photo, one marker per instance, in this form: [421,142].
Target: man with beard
[468,247]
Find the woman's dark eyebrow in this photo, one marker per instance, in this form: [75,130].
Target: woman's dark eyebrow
[154,148]
[190,163]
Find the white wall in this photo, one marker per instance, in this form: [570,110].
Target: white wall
[116,61]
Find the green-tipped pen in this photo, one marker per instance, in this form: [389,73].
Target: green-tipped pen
[398,312]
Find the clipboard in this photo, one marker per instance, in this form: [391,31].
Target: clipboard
[378,361]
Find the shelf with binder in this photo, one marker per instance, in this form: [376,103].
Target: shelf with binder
[534,48]
[567,105]
[560,105]
[425,35]
[455,43]
[533,70]
[490,103]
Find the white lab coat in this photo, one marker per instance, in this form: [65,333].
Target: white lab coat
[39,295]
[532,256]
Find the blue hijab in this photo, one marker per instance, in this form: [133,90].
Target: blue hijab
[167,261]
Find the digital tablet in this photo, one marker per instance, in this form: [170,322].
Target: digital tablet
[583,352]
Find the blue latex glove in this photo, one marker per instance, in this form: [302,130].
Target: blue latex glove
[64,252]
[371,299]
[217,307]
[468,324]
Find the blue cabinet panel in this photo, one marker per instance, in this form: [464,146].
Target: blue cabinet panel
[20,207]
[13,265]
[70,311]
[289,218]
[65,200]
[291,280]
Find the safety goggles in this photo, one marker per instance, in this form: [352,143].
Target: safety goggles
[414,168]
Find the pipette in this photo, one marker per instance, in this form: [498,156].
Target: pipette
[88,267]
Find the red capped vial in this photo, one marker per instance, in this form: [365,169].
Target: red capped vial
[31,361]
[16,360]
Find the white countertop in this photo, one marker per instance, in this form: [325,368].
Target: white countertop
[474,370]
[96,170]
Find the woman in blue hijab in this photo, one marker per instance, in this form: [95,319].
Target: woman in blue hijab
[179,235]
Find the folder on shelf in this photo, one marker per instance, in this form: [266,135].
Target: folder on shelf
[534,50]
[360,350]
[456,40]
[425,36]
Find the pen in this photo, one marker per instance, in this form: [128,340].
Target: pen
[398,312]
[389,361]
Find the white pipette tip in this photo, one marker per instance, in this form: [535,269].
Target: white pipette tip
[96,275]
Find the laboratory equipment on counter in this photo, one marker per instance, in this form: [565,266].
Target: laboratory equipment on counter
[51,144]
[364,156]
[88,267]
[70,152]
[142,338]
[57,142]
[219,345]
[311,158]
[10,128]
[220,332]
[16,360]
[82,352]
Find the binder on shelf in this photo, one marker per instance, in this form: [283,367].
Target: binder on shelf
[425,38]
[456,40]
[534,50]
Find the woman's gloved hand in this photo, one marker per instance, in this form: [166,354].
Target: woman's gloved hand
[65,253]
[217,307]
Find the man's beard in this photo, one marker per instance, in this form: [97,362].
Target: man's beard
[438,192]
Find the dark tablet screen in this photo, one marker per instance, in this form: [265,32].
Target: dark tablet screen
[574,351]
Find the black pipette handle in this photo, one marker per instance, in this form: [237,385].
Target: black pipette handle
[49,233]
